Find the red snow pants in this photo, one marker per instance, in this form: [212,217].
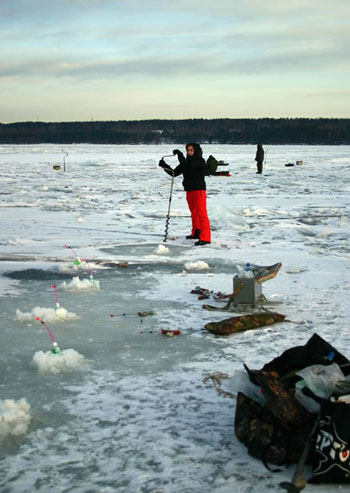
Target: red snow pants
[197,203]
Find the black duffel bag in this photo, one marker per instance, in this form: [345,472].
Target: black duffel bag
[330,456]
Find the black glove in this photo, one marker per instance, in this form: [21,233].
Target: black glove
[163,164]
[176,152]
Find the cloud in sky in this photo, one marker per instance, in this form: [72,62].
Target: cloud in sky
[133,59]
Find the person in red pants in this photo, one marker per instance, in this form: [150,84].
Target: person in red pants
[193,168]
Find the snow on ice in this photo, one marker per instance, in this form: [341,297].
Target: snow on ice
[140,417]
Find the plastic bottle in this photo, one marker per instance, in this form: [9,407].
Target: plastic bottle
[248,273]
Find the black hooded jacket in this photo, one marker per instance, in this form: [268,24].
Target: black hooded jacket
[193,169]
[259,157]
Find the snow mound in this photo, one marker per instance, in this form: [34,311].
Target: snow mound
[48,314]
[14,417]
[199,265]
[66,361]
[76,285]
[162,250]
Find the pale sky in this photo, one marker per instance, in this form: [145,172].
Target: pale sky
[73,60]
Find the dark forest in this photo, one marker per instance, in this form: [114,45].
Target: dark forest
[211,131]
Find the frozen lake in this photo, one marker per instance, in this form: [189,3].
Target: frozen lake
[132,413]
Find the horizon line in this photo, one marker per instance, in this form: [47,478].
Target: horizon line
[181,119]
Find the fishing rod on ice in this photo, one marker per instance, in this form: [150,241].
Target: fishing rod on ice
[170,197]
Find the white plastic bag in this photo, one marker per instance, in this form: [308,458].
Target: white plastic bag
[321,380]
[240,382]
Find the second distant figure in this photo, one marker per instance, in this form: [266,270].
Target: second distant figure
[259,158]
[193,168]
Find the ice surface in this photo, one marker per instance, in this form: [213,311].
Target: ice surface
[140,418]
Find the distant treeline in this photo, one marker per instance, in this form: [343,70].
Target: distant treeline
[219,130]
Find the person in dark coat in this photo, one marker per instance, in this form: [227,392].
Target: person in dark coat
[259,158]
[193,168]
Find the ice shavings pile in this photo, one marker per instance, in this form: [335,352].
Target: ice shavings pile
[73,268]
[63,362]
[76,285]
[162,250]
[48,314]
[199,265]
[14,417]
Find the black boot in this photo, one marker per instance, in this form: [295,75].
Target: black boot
[195,235]
[202,242]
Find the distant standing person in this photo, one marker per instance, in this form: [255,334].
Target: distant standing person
[259,158]
[193,168]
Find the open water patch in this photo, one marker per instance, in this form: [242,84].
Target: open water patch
[33,274]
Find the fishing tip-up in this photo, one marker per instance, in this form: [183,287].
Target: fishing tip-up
[57,303]
[140,314]
[55,348]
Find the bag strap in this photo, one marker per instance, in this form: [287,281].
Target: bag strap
[265,462]
[306,391]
